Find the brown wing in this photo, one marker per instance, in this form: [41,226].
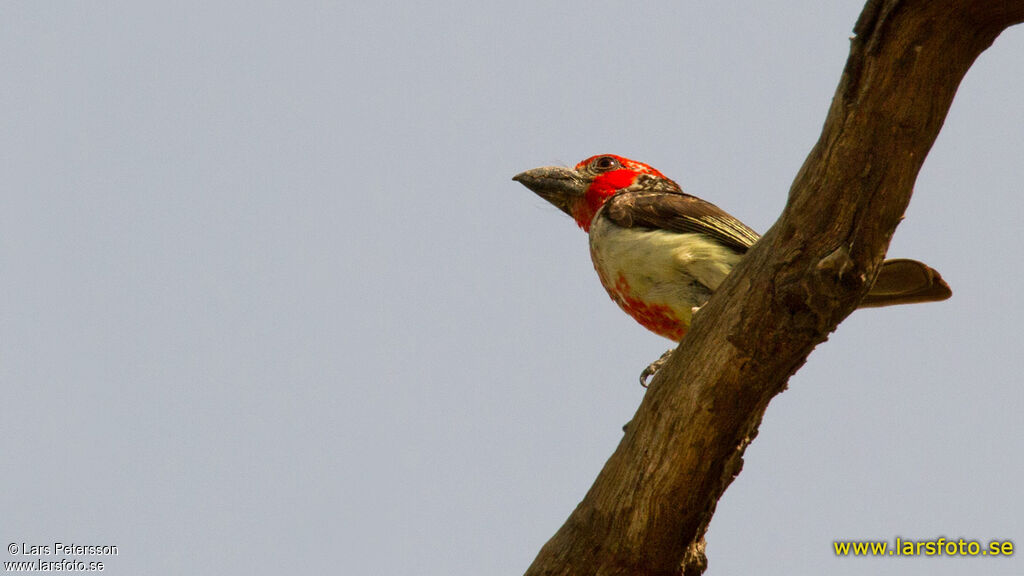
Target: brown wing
[678,212]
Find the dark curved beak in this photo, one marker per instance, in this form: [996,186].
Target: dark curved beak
[560,186]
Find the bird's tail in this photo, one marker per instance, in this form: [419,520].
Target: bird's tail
[903,281]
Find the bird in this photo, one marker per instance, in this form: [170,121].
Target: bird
[660,253]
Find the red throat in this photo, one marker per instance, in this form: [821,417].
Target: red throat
[600,190]
[605,185]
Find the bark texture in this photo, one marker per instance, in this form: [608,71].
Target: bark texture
[649,508]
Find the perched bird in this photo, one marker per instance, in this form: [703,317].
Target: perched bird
[660,253]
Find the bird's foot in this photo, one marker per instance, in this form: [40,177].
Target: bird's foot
[653,367]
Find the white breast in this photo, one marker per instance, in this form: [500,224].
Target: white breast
[659,267]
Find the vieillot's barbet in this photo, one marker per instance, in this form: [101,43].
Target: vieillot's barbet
[660,253]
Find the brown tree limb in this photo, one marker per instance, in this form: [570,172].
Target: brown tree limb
[650,506]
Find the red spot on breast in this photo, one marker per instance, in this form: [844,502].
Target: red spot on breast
[657,318]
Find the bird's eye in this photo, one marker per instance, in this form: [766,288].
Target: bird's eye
[605,163]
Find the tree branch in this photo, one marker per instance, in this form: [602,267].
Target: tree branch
[650,506]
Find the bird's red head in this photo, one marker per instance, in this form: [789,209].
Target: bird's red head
[581,191]
[608,174]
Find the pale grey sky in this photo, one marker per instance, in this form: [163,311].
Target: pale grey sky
[272,304]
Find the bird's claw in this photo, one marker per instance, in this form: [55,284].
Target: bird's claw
[653,367]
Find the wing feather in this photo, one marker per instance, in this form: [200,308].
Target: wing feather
[678,212]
